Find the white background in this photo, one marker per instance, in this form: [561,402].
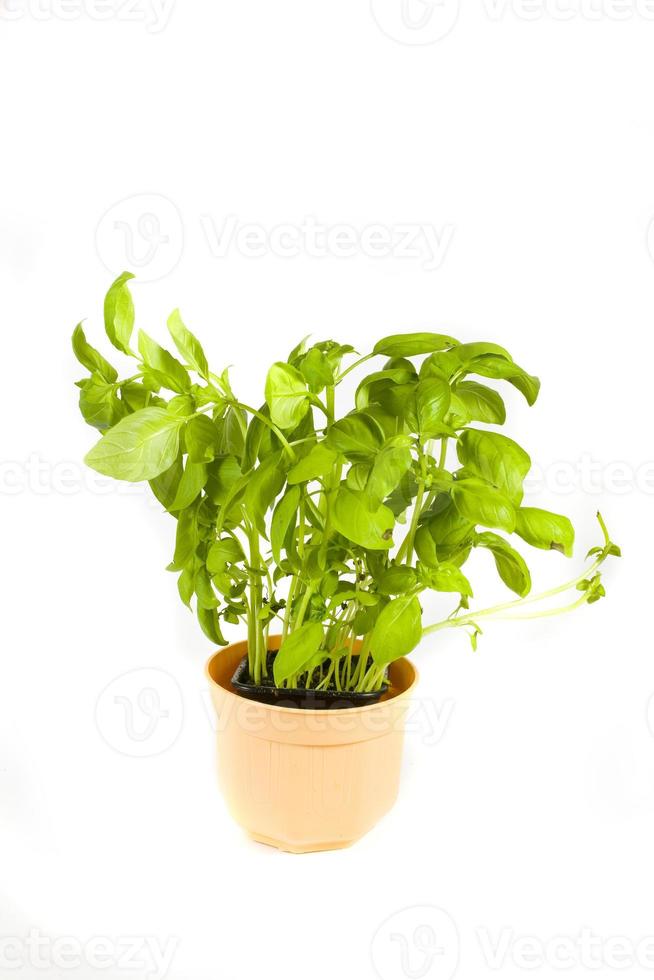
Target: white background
[523,137]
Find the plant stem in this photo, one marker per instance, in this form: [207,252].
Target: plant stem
[496,612]
[356,364]
[271,425]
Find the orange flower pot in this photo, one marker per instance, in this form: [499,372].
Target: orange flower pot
[307,780]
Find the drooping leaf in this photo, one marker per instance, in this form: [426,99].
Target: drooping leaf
[497,367]
[210,623]
[165,485]
[510,564]
[543,529]
[191,484]
[284,516]
[90,357]
[99,403]
[263,486]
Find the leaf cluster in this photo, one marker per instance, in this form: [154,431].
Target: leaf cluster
[333,524]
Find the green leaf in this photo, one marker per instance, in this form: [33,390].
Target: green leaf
[163,367]
[201,436]
[387,471]
[398,630]
[286,395]
[185,586]
[188,345]
[358,436]
[432,402]
[446,577]
[510,564]
[482,504]
[227,551]
[284,516]
[496,459]
[224,473]
[353,519]
[316,370]
[497,367]
[296,651]
[136,396]
[164,486]
[139,447]
[410,344]
[543,529]
[119,313]
[187,537]
[467,352]
[210,623]
[318,462]
[264,484]
[396,579]
[191,484]
[366,390]
[473,402]
[99,403]
[90,357]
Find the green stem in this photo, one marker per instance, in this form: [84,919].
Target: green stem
[406,548]
[271,425]
[356,364]
[496,612]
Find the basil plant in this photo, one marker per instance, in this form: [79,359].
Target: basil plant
[325,527]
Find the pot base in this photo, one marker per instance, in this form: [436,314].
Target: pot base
[303,848]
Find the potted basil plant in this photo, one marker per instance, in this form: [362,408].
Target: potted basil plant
[316,528]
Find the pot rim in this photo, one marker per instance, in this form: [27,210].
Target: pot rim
[387,699]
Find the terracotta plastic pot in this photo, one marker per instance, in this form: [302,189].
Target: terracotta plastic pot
[307,780]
